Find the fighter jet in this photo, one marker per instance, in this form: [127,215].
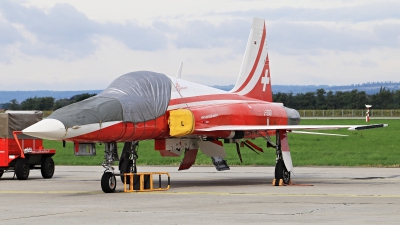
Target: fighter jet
[183,117]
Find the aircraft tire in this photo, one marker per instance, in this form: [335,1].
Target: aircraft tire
[47,167]
[125,166]
[286,175]
[22,169]
[281,172]
[108,182]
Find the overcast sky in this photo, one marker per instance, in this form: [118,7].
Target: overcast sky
[85,45]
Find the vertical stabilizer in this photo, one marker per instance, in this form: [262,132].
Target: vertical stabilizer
[179,73]
[254,76]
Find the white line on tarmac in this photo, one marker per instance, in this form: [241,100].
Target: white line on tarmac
[206,193]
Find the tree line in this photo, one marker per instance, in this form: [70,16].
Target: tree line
[320,99]
[44,103]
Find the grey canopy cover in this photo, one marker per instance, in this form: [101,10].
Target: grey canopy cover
[133,97]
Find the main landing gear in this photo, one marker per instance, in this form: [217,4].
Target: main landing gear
[127,164]
[281,173]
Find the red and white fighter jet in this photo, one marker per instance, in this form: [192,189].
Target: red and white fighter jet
[182,116]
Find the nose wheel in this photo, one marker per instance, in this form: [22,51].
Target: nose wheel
[108,182]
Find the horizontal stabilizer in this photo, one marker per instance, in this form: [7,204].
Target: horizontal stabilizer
[317,133]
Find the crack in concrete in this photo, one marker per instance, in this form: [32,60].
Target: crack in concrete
[373,178]
[43,215]
[254,213]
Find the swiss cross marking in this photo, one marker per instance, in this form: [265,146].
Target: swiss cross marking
[179,88]
[265,80]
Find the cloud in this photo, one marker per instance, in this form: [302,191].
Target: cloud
[292,37]
[369,63]
[388,34]
[231,34]
[64,32]
[136,37]
[383,10]
[9,34]
[299,38]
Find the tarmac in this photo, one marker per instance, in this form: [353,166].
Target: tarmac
[202,195]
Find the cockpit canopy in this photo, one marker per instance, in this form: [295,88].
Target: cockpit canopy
[134,97]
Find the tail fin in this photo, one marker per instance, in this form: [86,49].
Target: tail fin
[254,77]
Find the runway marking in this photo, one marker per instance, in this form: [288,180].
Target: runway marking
[204,193]
[50,192]
[275,194]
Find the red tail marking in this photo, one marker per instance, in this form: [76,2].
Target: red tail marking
[255,63]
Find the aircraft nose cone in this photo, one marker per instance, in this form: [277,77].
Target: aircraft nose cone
[50,129]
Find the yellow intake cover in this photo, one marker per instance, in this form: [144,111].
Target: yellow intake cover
[181,122]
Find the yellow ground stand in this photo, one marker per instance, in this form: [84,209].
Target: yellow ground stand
[142,187]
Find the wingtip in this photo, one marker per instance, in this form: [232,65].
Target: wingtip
[369,126]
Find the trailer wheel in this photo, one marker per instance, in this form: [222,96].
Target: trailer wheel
[47,168]
[22,169]
[1,173]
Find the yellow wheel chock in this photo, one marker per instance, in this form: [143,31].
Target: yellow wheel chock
[145,182]
[274,182]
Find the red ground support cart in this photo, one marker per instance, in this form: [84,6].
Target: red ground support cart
[20,153]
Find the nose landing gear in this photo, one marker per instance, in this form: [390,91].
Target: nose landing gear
[108,181]
[128,159]
[127,164]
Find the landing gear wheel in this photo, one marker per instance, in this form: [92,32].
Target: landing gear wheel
[1,173]
[126,167]
[108,182]
[47,168]
[286,175]
[22,169]
[281,172]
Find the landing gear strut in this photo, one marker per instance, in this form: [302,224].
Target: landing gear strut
[127,163]
[280,169]
[108,181]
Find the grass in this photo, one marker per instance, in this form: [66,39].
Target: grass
[375,147]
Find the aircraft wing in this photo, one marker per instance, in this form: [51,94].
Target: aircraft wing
[290,127]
